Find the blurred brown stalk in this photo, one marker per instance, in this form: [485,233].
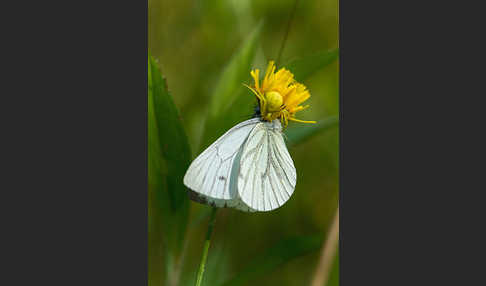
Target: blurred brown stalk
[328,253]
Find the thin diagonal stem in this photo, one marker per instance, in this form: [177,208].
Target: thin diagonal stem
[287,30]
[329,250]
[207,243]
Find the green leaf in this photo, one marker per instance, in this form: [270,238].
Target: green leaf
[169,157]
[273,258]
[305,67]
[172,139]
[300,133]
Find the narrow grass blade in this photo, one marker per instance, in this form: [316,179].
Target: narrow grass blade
[235,73]
[273,258]
[301,133]
[305,67]
[229,89]
[157,261]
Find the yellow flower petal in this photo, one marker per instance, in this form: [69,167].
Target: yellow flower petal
[256,76]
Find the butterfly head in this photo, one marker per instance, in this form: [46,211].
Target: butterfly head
[279,95]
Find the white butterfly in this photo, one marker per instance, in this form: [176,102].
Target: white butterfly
[248,168]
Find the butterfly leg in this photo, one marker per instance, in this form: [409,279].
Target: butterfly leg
[261,99]
[283,118]
[263,105]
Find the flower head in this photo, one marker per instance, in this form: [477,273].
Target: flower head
[279,95]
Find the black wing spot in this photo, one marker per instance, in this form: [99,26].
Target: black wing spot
[222,178]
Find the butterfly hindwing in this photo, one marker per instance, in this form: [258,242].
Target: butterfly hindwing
[267,175]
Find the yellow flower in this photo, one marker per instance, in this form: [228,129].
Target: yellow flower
[279,95]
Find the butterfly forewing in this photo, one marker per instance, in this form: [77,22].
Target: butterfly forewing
[267,175]
[209,174]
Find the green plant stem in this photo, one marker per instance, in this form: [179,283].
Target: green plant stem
[287,30]
[204,257]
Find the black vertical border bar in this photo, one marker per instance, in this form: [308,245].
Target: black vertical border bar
[411,143]
[75,150]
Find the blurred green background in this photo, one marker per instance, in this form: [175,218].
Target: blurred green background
[193,43]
